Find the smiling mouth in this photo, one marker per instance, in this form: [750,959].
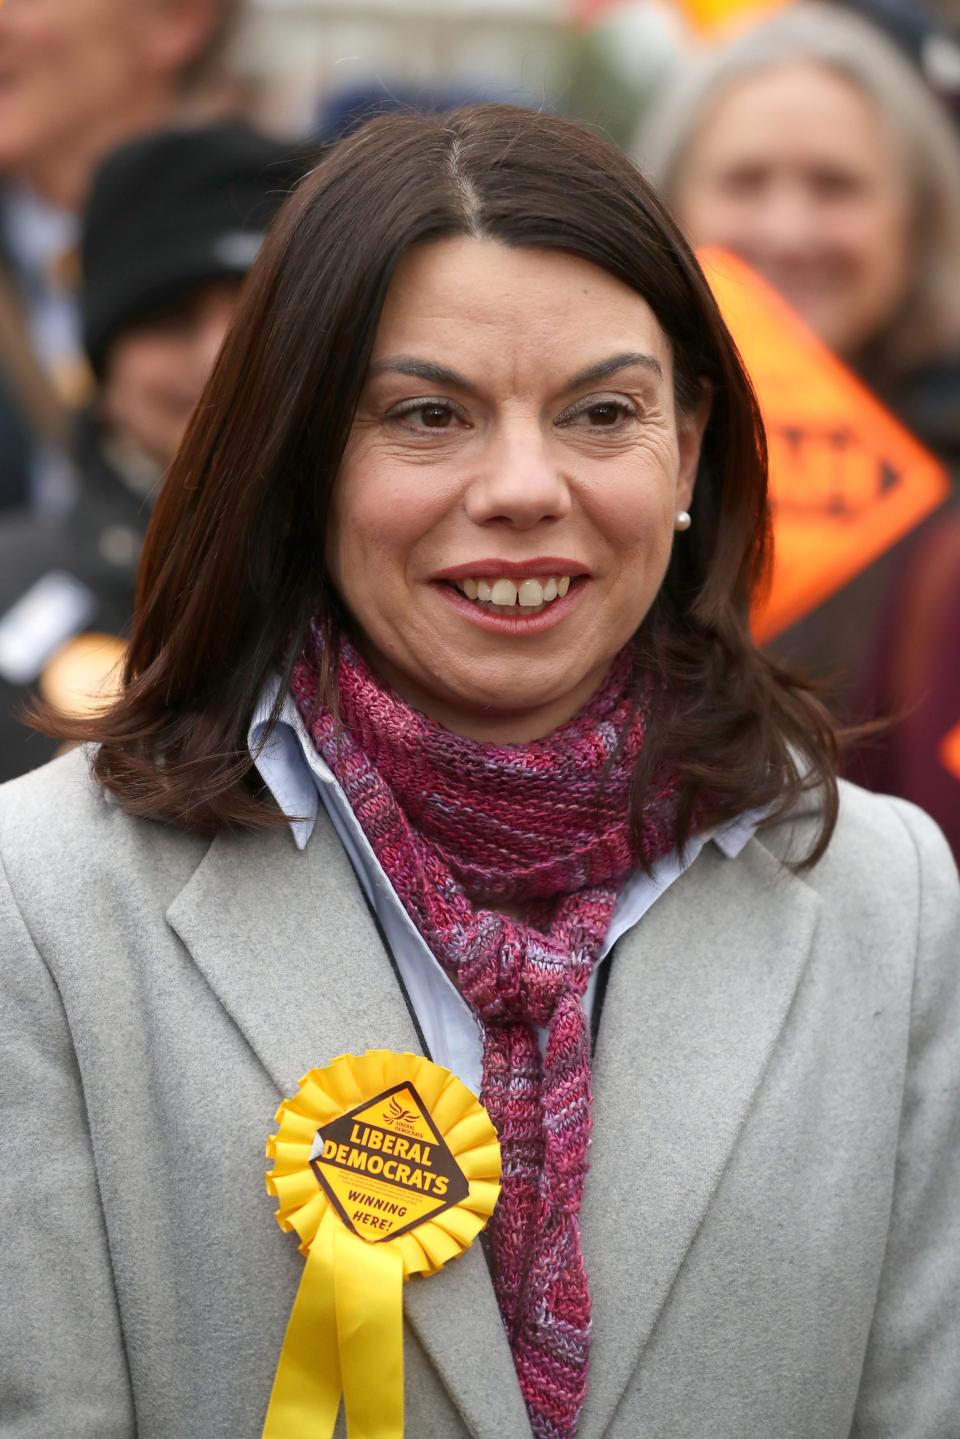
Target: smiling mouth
[519,598]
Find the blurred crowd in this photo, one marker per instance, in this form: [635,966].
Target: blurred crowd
[818,142]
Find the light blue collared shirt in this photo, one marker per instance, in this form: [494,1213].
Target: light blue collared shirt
[298,778]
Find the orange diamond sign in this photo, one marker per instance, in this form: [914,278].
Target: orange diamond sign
[847,481]
[385,1167]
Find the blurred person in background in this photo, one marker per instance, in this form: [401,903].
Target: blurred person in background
[76,78]
[810,147]
[174,222]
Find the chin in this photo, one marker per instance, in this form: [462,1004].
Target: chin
[511,688]
[503,703]
[511,707]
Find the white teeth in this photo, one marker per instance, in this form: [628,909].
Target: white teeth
[504,594]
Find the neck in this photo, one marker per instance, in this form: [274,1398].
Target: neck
[62,173]
[515,823]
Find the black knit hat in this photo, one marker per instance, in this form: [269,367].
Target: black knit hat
[173,210]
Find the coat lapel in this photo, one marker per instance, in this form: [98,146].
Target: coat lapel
[285,942]
[697,996]
[288,947]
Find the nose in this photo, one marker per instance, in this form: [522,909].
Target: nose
[786,225]
[521,483]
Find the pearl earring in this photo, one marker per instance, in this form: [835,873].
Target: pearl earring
[683,520]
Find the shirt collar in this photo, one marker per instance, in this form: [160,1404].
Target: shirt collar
[292,769]
[287,761]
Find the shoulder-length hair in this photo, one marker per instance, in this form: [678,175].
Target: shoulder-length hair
[233,565]
[925,327]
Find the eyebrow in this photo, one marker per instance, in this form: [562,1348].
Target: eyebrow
[603,369]
[442,375]
[422,370]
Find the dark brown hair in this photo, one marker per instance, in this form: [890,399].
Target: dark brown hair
[233,564]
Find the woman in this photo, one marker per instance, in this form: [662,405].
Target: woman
[442,638]
[809,146]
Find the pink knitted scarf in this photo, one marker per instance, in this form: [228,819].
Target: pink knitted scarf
[457,824]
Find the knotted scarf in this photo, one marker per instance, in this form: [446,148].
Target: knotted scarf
[459,827]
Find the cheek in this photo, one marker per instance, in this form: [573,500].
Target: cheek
[872,231]
[636,519]
[875,248]
[886,248]
[89,53]
[53,49]
[369,536]
[39,32]
[44,82]
[155,371]
[384,512]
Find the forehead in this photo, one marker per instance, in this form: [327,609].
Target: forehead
[798,108]
[482,304]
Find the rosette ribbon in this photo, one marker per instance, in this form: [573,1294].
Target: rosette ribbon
[384,1166]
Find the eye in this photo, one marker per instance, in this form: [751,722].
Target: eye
[599,412]
[836,184]
[744,181]
[425,415]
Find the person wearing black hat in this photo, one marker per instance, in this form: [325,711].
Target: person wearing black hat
[161,274]
[173,224]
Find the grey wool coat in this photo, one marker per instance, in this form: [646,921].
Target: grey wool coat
[772,1217]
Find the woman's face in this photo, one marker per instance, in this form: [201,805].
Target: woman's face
[504,513]
[795,170]
[156,371]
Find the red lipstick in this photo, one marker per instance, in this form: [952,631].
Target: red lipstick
[497,569]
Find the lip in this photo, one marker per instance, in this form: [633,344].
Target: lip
[517,626]
[495,569]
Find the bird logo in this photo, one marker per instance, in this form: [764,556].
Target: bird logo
[396,1114]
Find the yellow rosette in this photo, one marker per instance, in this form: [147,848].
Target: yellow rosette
[384,1165]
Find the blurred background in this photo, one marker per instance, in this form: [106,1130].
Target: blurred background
[809,150]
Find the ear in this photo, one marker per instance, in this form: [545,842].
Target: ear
[691,426]
[176,32]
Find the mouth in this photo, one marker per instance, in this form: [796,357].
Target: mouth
[526,600]
[520,598]
[518,588]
